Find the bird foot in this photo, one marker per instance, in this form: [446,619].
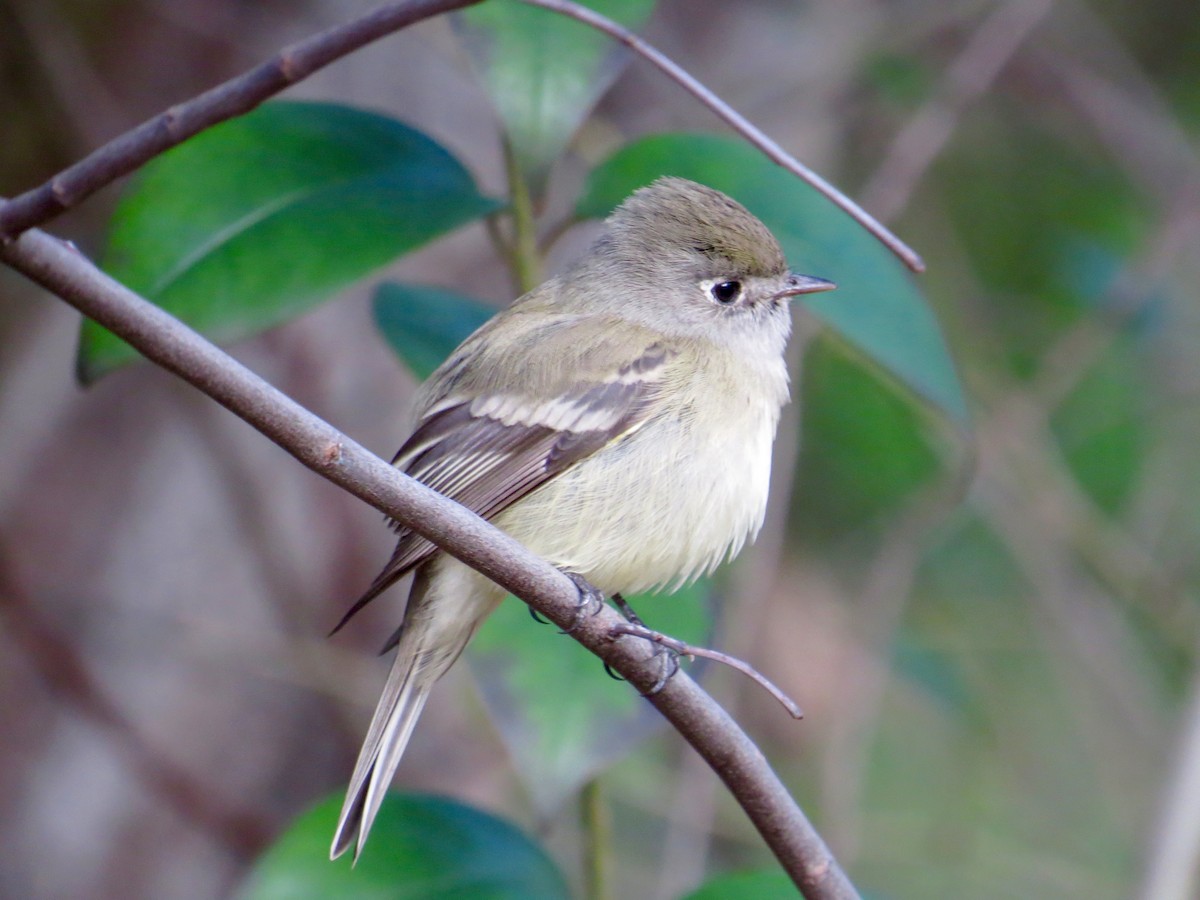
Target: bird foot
[675,649]
[591,600]
[667,650]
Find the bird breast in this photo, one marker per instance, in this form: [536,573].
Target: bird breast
[669,502]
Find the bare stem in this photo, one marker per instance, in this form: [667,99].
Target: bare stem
[593,815]
[525,261]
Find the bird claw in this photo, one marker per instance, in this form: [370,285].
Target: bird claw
[667,651]
[668,661]
[591,600]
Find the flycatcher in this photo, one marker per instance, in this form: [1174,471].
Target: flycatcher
[617,421]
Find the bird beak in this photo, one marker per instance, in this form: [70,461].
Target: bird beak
[804,284]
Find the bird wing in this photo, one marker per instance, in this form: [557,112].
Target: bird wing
[488,450]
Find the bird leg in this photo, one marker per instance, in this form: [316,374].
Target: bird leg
[626,610]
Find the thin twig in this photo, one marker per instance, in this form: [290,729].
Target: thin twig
[1018,492]
[1128,109]
[685,649]
[524,262]
[971,74]
[239,95]
[317,445]
[1173,869]
[595,822]
[884,598]
[292,64]
[737,122]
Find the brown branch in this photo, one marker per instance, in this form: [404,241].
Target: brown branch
[702,722]
[61,269]
[239,95]
[737,122]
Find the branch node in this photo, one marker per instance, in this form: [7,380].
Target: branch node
[332,455]
[61,192]
[171,119]
[285,62]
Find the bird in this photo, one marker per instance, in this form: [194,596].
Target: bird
[617,420]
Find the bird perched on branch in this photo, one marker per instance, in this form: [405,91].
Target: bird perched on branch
[617,420]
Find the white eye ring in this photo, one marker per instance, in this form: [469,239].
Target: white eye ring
[725,291]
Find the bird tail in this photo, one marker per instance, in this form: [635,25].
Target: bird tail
[403,698]
[432,637]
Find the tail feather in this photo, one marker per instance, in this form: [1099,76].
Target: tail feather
[445,606]
[403,698]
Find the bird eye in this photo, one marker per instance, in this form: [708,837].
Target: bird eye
[725,292]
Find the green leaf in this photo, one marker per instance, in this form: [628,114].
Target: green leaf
[761,884]
[936,673]
[1101,425]
[544,71]
[422,847]
[866,449]
[256,220]
[423,324]
[561,717]
[877,307]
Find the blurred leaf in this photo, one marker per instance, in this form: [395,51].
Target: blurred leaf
[256,220]
[1089,270]
[876,306]
[544,71]
[1101,426]
[560,715]
[865,448]
[1026,254]
[761,884]
[954,793]
[421,847]
[423,324]
[936,672]
[903,81]
[1065,197]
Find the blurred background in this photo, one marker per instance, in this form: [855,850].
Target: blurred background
[993,634]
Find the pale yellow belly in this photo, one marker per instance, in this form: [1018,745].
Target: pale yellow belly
[661,507]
